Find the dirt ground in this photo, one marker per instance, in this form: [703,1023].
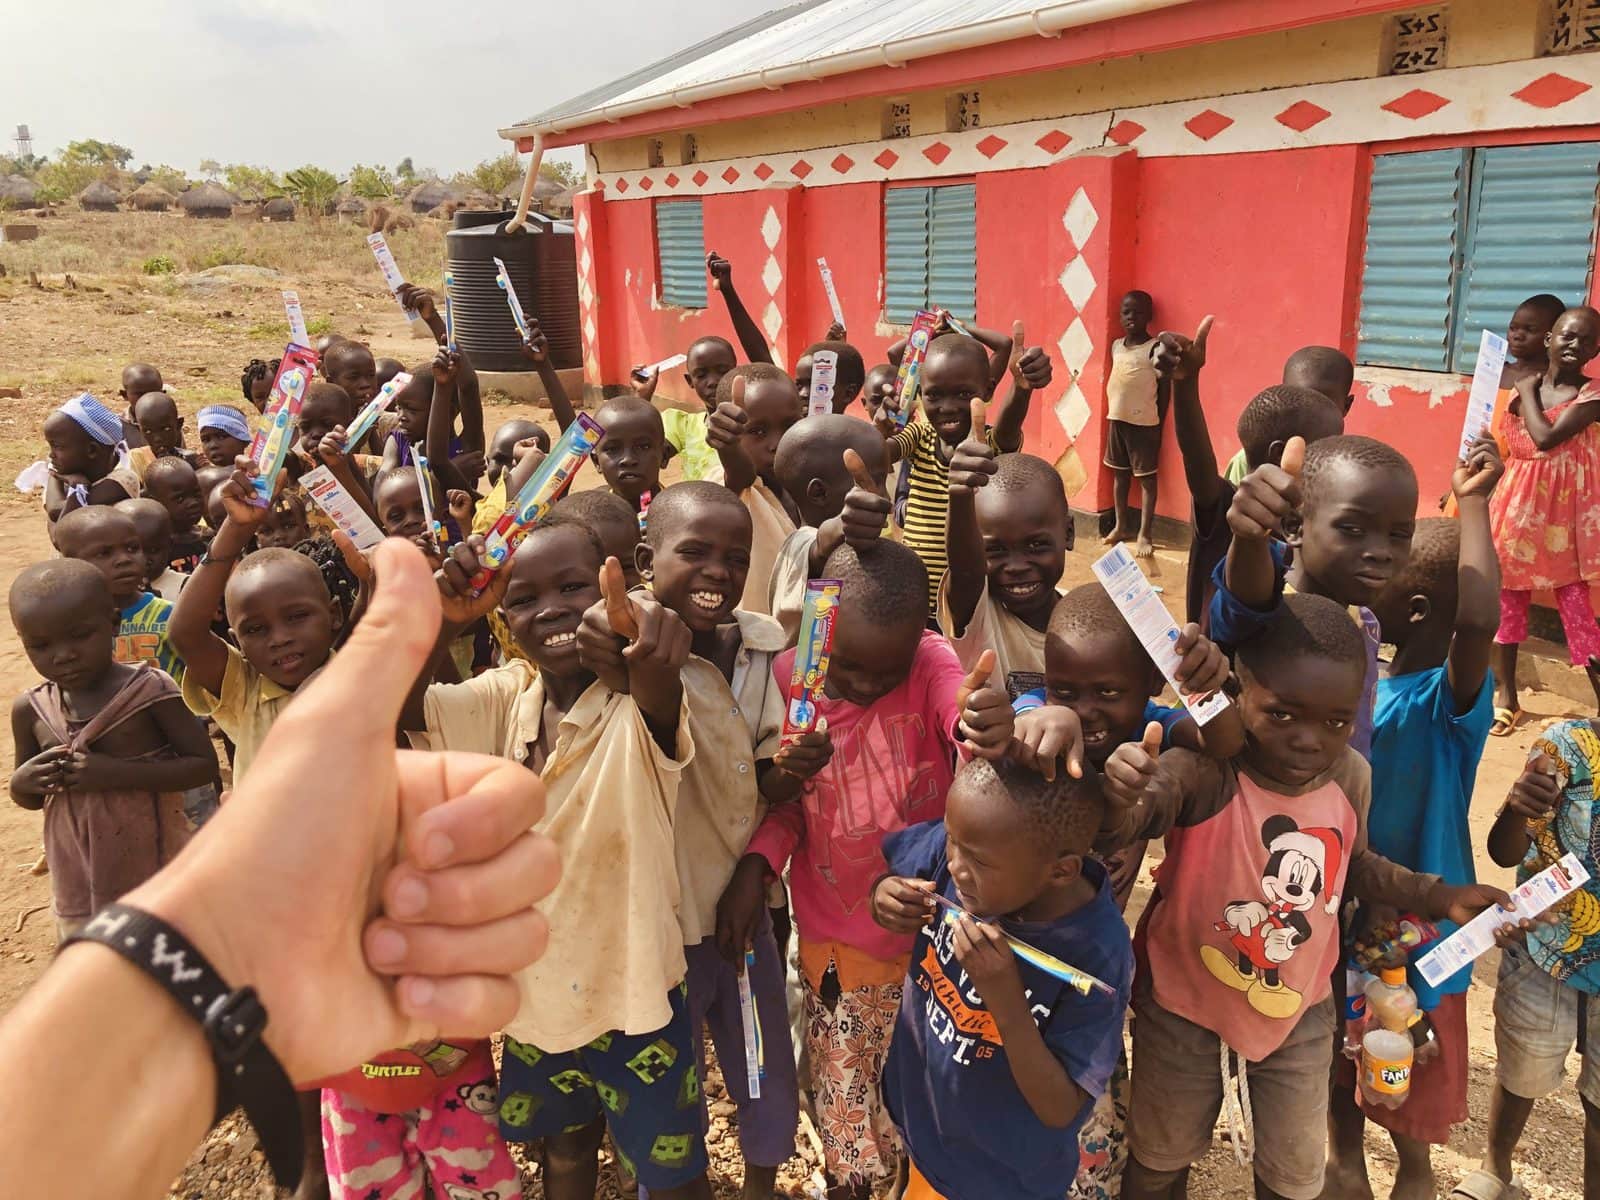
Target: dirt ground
[61,336]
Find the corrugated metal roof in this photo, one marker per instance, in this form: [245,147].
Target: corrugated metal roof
[805,33]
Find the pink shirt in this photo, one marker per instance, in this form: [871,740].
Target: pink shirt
[892,766]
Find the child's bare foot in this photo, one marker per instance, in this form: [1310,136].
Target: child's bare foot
[1345,1183]
[1112,538]
[41,866]
[1143,548]
[1413,1185]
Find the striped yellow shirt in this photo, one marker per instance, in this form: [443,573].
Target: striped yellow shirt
[928,504]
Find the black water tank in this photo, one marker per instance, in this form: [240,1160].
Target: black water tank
[541,260]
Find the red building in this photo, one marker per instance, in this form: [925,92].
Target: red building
[1380,177]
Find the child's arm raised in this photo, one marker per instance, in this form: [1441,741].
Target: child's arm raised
[986,723]
[970,467]
[744,328]
[860,522]
[420,301]
[1531,798]
[537,351]
[334,453]
[193,763]
[990,963]
[1477,574]
[39,772]
[1574,419]
[1002,349]
[1030,372]
[1264,499]
[1203,668]
[723,431]
[1180,359]
[204,654]
[447,365]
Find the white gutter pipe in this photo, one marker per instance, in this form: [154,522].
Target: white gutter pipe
[1047,20]
[521,219]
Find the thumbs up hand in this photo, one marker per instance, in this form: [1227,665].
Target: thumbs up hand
[1130,769]
[1030,365]
[986,722]
[1268,495]
[866,508]
[728,420]
[973,460]
[1181,357]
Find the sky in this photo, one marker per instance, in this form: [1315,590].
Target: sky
[281,83]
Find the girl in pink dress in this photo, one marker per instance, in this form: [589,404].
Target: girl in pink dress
[1546,512]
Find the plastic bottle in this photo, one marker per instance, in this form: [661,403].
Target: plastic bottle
[1391,1004]
[1387,1053]
[1355,1009]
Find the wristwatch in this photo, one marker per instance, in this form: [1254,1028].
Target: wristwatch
[232,1019]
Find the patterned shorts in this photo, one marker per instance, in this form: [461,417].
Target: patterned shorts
[847,1042]
[645,1086]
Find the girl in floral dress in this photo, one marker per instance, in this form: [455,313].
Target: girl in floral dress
[1546,512]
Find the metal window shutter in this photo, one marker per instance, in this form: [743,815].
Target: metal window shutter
[905,252]
[1530,229]
[953,252]
[681,250]
[1414,220]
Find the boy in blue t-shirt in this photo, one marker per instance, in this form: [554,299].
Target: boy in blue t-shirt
[996,1062]
[1430,725]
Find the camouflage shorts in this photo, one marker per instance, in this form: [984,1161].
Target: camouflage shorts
[645,1086]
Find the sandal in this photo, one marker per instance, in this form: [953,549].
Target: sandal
[1484,1185]
[1506,721]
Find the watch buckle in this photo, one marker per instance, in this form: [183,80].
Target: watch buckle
[234,1023]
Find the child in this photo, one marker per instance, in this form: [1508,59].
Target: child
[281,615]
[613,522]
[505,439]
[1349,515]
[744,328]
[1544,526]
[105,748]
[137,379]
[1134,408]
[109,541]
[418,1121]
[385,369]
[1242,934]
[996,1062]
[629,452]
[175,485]
[286,525]
[850,378]
[1525,339]
[154,525]
[224,434]
[612,750]
[1432,720]
[897,707]
[161,426]
[350,367]
[695,556]
[86,466]
[1008,538]
[708,360]
[256,382]
[838,503]
[1320,369]
[1549,974]
[758,405]
[955,372]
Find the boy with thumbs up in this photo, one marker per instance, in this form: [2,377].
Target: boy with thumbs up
[954,374]
[600,710]
[1240,939]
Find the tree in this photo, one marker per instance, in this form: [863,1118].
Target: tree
[97,153]
[563,173]
[372,183]
[494,175]
[252,183]
[170,178]
[65,178]
[210,168]
[405,171]
[313,188]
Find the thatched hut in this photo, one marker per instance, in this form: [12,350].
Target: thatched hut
[352,210]
[429,195]
[17,191]
[99,196]
[279,208]
[479,199]
[208,200]
[151,197]
[559,206]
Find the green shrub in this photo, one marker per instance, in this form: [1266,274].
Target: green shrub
[160,264]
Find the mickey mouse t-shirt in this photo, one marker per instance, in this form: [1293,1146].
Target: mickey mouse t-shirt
[949,1088]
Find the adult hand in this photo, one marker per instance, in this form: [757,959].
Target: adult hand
[396,905]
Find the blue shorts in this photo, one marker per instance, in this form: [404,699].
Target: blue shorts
[645,1086]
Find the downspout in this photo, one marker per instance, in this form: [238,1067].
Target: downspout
[521,218]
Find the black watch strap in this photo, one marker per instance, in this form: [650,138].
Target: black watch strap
[232,1019]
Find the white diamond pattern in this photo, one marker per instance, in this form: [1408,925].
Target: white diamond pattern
[771,275]
[772,320]
[1078,282]
[1076,346]
[1080,218]
[1072,410]
[771,228]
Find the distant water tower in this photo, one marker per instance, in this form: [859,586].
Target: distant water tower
[24,142]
